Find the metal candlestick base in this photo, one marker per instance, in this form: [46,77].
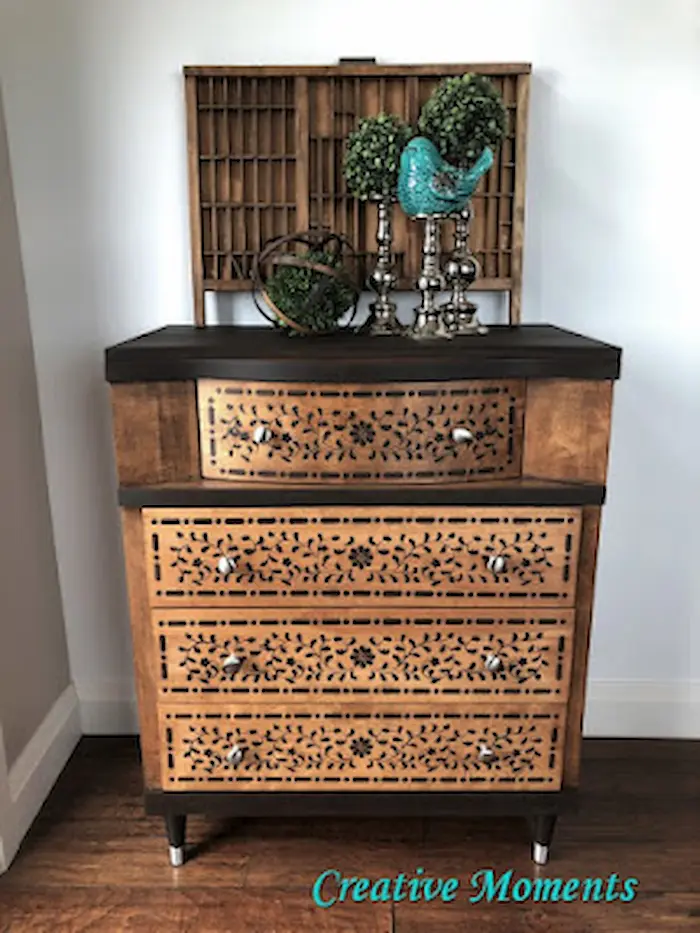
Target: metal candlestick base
[383,320]
[461,270]
[429,323]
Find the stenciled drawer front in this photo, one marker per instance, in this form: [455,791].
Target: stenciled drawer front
[516,748]
[383,556]
[499,656]
[417,432]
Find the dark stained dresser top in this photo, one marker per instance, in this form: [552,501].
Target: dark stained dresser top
[263,353]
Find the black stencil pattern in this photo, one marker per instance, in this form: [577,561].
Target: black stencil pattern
[385,554]
[515,748]
[373,431]
[308,659]
[281,558]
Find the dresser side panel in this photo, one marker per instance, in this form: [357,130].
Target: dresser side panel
[567,429]
[156,436]
[144,657]
[590,529]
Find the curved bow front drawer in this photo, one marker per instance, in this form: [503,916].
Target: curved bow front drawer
[497,656]
[398,432]
[354,749]
[389,556]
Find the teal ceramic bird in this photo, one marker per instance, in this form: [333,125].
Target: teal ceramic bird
[430,185]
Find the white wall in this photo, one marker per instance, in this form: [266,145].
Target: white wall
[39,716]
[96,124]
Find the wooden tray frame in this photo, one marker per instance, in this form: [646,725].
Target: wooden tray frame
[265,148]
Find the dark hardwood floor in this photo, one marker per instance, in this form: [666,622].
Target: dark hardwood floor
[93,862]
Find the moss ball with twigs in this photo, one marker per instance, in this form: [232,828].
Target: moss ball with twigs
[373,156]
[462,117]
[312,299]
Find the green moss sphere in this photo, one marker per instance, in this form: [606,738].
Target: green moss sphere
[308,297]
[373,154]
[462,117]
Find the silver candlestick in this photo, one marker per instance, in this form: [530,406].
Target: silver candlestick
[383,279]
[429,323]
[461,314]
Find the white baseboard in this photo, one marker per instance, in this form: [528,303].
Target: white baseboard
[615,708]
[114,716]
[108,707]
[31,777]
[643,709]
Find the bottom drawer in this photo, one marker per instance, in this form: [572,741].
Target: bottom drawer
[407,747]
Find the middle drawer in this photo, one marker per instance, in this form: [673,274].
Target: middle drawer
[498,656]
[387,556]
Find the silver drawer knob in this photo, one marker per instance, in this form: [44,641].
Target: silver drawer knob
[235,756]
[496,563]
[232,665]
[262,434]
[493,663]
[226,565]
[486,753]
[462,435]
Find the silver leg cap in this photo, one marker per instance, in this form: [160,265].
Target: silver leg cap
[177,856]
[540,853]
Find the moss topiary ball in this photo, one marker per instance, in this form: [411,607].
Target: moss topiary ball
[373,154]
[463,116]
[311,299]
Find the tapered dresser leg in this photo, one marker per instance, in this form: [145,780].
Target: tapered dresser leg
[542,827]
[176,827]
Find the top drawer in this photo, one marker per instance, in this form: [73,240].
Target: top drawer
[394,432]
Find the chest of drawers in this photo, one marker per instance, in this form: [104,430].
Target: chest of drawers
[361,570]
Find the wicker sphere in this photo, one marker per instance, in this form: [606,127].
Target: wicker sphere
[305,282]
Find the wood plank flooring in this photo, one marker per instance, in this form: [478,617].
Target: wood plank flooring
[93,862]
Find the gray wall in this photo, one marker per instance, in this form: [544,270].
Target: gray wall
[33,655]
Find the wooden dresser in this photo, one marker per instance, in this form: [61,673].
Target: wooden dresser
[361,569]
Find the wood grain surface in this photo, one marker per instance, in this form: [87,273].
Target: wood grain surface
[567,429]
[94,864]
[155,432]
[588,555]
[143,646]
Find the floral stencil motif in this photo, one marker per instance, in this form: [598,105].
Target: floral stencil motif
[360,556]
[430,558]
[362,656]
[362,433]
[361,747]
[394,434]
[522,749]
[435,657]
[386,553]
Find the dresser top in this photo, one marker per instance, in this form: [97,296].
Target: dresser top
[264,353]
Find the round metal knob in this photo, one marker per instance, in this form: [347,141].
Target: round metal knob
[462,435]
[493,663]
[226,565]
[232,665]
[496,563]
[235,756]
[486,753]
[262,434]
